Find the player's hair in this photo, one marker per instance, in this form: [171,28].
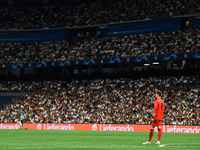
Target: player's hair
[159,92]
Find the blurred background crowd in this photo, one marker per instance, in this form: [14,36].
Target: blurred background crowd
[89,94]
[79,13]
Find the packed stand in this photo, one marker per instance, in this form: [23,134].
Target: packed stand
[91,47]
[72,13]
[24,52]
[121,100]
[134,45]
[130,45]
[97,84]
[14,17]
[90,13]
[106,47]
[187,41]
[118,46]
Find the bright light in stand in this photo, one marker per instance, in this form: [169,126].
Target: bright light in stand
[156,63]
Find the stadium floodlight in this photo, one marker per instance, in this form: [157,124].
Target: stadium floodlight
[146,64]
[156,63]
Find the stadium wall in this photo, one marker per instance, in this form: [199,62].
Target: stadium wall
[34,35]
[103,127]
[144,26]
[112,29]
[143,59]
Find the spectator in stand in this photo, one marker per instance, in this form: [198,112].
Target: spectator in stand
[187,41]
[120,100]
[108,47]
[80,13]
[13,17]
[119,46]
[28,51]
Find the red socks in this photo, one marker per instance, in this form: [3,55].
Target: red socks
[159,134]
[151,134]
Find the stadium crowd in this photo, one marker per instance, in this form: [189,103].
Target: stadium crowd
[28,51]
[133,45]
[13,17]
[78,13]
[97,84]
[107,47]
[187,41]
[120,100]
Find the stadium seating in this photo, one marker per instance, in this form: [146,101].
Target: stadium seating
[98,98]
[106,47]
[28,51]
[13,17]
[119,100]
[72,13]
[187,41]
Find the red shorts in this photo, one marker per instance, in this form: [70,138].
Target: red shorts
[156,123]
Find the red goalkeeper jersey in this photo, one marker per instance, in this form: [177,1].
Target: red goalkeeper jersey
[159,107]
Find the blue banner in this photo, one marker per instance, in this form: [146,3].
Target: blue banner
[34,35]
[144,26]
[144,59]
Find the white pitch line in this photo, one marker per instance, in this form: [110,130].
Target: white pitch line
[176,146]
[163,145]
[182,143]
[71,147]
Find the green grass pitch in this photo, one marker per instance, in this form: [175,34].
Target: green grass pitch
[94,140]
